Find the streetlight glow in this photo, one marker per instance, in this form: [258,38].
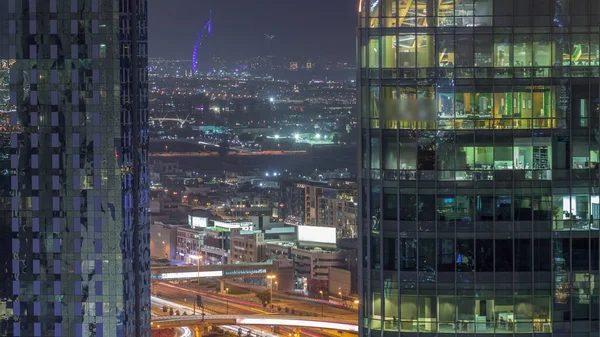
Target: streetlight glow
[271,277]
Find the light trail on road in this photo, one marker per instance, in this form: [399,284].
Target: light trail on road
[242,306]
[231,154]
[233,328]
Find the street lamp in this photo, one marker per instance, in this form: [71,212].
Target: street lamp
[341,298]
[199,260]
[227,299]
[271,277]
[321,292]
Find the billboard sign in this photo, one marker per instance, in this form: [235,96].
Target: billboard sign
[317,235]
[197,221]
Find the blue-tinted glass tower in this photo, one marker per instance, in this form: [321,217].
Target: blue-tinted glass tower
[74,251]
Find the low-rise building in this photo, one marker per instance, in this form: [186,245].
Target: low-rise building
[247,246]
[189,242]
[311,266]
[215,245]
[163,241]
[165,202]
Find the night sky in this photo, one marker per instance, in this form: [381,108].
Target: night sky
[310,28]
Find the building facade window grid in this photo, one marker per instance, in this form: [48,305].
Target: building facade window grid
[479,173]
[80,262]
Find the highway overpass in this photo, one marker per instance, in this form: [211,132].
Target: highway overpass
[220,271]
[167,322]
[224,271]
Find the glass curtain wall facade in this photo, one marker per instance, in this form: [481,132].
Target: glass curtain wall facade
[74,251]
[479,152]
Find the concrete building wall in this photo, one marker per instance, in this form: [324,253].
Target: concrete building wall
[163,241]
[246,248]
[340,280]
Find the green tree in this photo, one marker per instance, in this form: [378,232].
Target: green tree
[264,296]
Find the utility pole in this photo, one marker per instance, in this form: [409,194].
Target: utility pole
[227,299]
[322,304]
[200,305]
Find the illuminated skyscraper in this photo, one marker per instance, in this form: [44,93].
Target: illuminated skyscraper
[74,252]
[203,48]
[479,167]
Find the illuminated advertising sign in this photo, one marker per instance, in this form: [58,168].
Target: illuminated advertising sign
[245,272]
[297,322]
[197,222]
[315,234]
[245,225]
[192,274]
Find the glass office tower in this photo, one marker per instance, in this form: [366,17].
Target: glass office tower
[74,252]
[479,158]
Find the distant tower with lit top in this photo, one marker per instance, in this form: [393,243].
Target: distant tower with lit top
[201,61]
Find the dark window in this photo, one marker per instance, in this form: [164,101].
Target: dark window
[595,254]
[523,208]
[390,205]
[408,205]
[580,248]
[426,207]
[390,254]
[427,255]
[446,259]
[484,255]
[408,254]
[485,208]
[504,255]
[375,254]
[523,255]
